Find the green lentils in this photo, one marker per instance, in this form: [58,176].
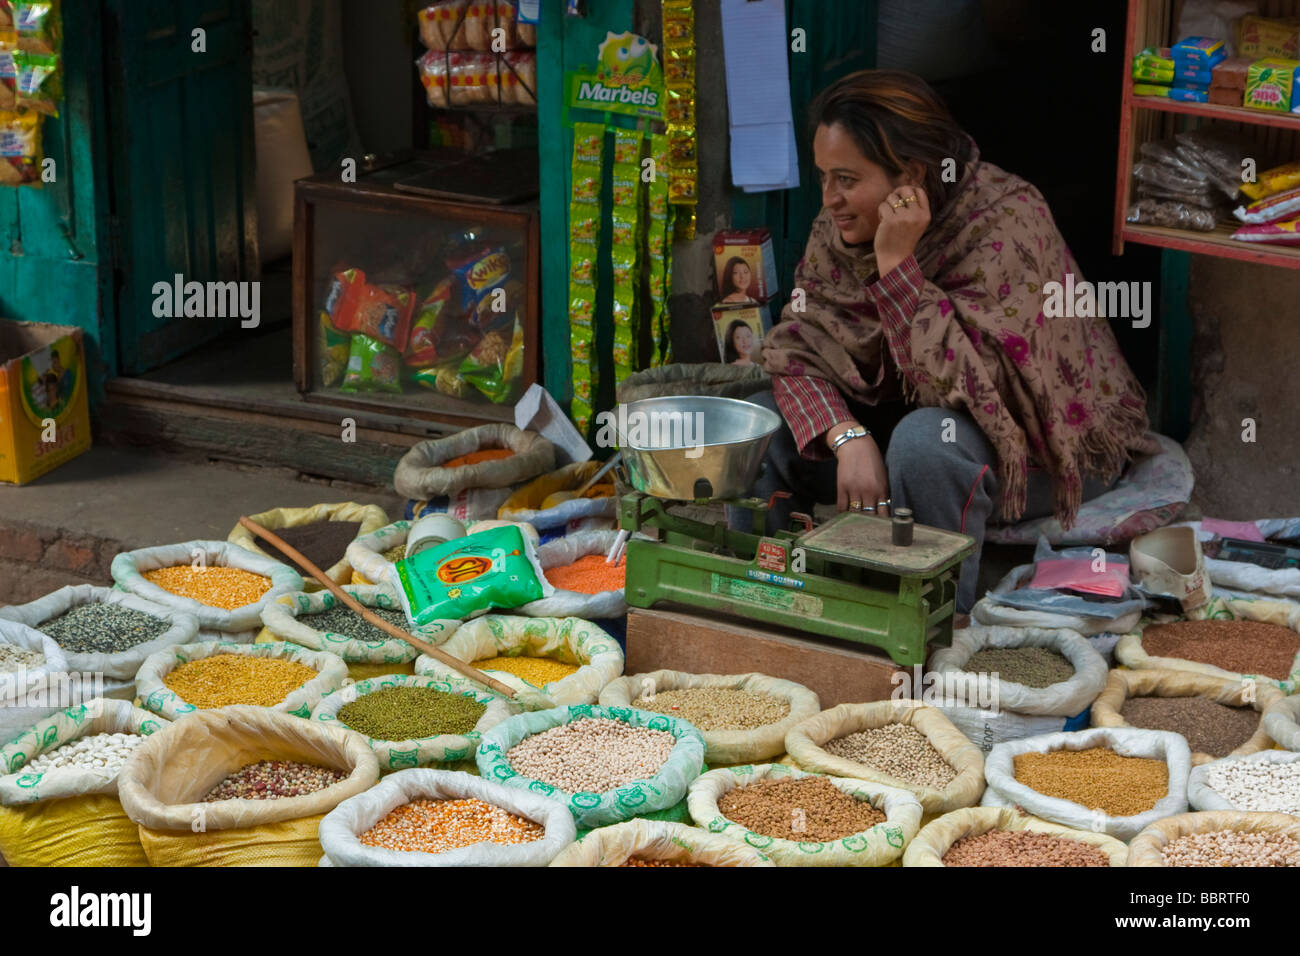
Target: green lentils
[103,628]
[1031,666]
[344,620]
[410,713]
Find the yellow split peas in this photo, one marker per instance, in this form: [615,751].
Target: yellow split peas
[225,679]
[537,671]
[215,586]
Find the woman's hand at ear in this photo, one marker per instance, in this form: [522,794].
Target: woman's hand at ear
[904,217]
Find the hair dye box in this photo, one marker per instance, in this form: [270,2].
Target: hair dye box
[44,404]
[745,265]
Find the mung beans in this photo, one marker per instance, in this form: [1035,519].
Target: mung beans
[436,826]
[410,713]
[213,585]
[273,779]
[225,679]
[807,809]
[538,671]
[103,628]
[1246,647]
[899,750]
[104,753]
[1098,778]
[343,620]
[14,658]
[1258,786]
[1022,848]
[591,754]
[1031,666]
[1210,727]
[717,708]
[1232,848]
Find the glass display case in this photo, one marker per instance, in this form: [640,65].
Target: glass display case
[410,303]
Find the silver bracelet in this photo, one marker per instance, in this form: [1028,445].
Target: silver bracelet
[856,431]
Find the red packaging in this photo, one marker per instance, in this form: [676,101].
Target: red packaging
[384,313]
[343,297]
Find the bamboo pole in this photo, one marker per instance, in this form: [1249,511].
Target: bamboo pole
[460,667]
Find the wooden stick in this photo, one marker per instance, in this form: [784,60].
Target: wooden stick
[461,667]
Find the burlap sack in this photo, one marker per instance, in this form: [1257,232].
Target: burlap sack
[657,840]
[723,747]
[937,837]
[1282,722]
[419,473]
[1147,848]
[804,744]
[1123,684]
[342,826]
[1130,653]
[881,845]
[371,517]
[164,782]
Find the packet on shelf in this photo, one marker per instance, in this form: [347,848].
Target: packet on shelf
[1198,51]
[1270,84]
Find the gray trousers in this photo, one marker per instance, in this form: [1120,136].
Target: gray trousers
[951,485]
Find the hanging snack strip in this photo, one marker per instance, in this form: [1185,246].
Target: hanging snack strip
[659,251]
[625,223]
[679,84]
[473,56]
[584,241]
[30,86]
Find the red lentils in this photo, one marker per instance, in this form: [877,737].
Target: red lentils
[589,575]
[475,457]
[436,826]
[1245,647]
[215,586]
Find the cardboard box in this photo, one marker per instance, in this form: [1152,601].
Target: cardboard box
[728,320]
[44,404]
[751,248]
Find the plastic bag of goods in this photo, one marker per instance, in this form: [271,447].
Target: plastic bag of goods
[744,718]
[1227,638]
[372,555]
[937,838]
[488,456]
[1264,782]
[223,585]
[321,622]
[886,818]
[114,633]
[549,502]
[58,792]
[1213,838]
[1008,709]
[585,586]
[950,777]
[33,678]
[606,764]
[657,843]
[494,825]
[177,786]
[321,520]
[184,680]
[1092,780]
[451,719]
[1125,685]
[1282,722]
[555,661]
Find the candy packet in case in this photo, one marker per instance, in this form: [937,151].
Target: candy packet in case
[469,576]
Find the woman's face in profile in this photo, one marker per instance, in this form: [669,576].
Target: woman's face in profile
[853,187]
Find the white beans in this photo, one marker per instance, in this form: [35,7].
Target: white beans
[1258,786]
[14,658]
[592,754]
[101,752]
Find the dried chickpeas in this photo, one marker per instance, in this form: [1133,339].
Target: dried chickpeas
[592,754]
[1232,848]
[899,750]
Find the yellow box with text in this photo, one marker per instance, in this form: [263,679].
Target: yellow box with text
[44,403]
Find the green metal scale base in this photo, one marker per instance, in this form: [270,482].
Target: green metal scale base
[844,579]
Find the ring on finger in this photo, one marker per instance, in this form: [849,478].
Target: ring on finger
[855,505]
[869,510]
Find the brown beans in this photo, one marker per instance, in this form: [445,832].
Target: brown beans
[1022,848]
[807,809]
[1232,848]
[1246,647]
[1210,727]
[273,779]
[1031,666]
[1098,778]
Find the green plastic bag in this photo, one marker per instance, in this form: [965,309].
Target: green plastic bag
[466,576]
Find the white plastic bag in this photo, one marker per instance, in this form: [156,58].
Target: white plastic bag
[937,837]
[34,693]
[1063,699]
[156,696]
[121,665]
[562,552]
[1004,790]
[240,624]
[420,474]
[1201,794]
[342,827]
[1282,722]
[366,553]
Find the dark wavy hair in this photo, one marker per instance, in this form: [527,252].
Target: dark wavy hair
[728,286]
[895,118]
[729,353]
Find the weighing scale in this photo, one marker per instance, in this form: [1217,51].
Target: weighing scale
[845,579]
